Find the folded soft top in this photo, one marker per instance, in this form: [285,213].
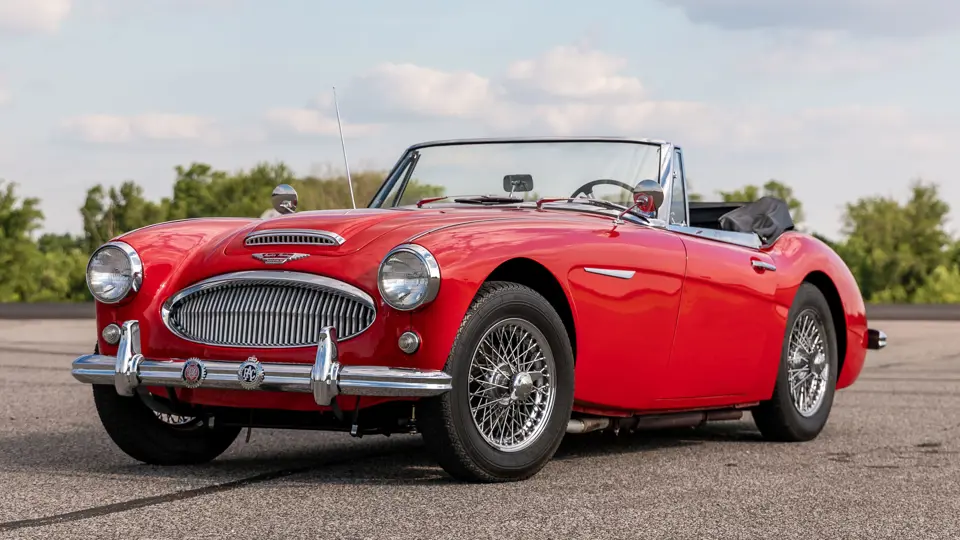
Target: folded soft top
[768,217]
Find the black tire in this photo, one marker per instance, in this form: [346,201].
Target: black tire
[779,419]
[139,433]
[446,422]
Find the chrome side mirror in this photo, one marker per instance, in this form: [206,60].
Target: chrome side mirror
[284,199]
[648,196]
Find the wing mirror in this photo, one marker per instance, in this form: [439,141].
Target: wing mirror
[648,196]
[284,199]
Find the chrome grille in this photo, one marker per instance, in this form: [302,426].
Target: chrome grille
[263,309]
[275,237]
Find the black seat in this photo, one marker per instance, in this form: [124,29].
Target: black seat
[767,217]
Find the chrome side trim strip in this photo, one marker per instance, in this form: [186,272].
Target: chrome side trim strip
[748,240]
[326,378]
[622,274]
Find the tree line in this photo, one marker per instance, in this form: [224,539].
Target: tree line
[899,252]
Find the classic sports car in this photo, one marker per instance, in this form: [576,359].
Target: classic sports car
[485,317]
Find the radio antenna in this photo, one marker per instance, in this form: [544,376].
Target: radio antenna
[343,145]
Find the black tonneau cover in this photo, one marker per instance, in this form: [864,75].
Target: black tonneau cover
[768,217]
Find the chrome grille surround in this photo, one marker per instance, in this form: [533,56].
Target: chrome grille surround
[267,309]
[295,237]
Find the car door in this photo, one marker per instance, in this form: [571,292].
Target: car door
[626,291]
[727,317]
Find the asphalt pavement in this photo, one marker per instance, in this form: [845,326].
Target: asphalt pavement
[886,466]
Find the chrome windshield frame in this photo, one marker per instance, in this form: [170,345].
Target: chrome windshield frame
[379,198]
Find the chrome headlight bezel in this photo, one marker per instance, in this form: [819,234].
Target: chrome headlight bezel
[135,280]
[430,266]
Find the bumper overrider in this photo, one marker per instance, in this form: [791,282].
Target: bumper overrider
[326,378]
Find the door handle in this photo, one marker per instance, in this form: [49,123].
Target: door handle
[762,266]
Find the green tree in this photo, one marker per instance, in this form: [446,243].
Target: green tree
[894,249]
[28,273]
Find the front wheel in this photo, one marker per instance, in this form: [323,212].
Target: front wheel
[807,378]
[512,370]
[158,439]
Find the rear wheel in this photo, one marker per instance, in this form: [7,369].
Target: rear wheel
[512,370]
[807,378]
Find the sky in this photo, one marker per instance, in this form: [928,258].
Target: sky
[840,99]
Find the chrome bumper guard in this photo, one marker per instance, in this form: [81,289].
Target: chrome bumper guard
[326,378]
[876,339]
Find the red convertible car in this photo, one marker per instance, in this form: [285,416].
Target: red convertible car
[493,296]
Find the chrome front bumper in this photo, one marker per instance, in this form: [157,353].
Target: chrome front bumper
[325,378]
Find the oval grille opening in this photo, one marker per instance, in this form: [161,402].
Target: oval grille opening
[266,313]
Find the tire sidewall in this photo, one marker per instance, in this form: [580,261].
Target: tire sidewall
[500,305]
[808,297]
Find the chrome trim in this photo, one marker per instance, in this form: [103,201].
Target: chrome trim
[267,277]
[284,199]
[433,271]
[622,274]
[876,339]
[509,140]
[763,265]
[111,334]
[293,237]
[409,342]
[279,258]
[128,359]
[326,378]
[136,269]
[748,240]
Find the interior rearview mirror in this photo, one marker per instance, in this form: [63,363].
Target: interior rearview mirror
[518,183]
[284,199]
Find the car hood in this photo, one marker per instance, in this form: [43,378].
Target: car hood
[176,254]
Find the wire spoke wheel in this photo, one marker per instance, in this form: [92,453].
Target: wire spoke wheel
[175,420]
[511,384]
[808,370]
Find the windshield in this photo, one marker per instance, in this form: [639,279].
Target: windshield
[605,170]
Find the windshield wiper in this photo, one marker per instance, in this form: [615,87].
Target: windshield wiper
[596,202]
[489,199]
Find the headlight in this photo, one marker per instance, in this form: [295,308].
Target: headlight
[409,277]
[113,271]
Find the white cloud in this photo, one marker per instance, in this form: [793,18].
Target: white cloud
[305,121]
[114,129]
[33,15]
[573,73]
[427,92]
[878,17]
[825,53]
[5,96]
[579,91]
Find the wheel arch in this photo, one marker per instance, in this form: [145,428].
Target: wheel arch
[531,273]
[829,290]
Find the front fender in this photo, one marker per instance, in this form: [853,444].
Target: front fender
[467,256]
[164,249]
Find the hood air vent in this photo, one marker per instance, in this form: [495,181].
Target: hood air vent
[290,237]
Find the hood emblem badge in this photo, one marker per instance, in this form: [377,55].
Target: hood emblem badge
[279,258]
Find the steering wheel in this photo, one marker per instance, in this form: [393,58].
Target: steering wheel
[587,189]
